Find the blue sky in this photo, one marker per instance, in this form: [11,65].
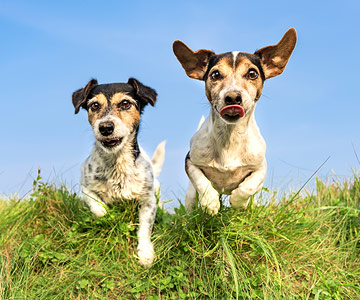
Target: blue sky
[51,48]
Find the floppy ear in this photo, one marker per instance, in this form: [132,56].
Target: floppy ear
[194,63]
[144,93]
[79,97]
[274,58]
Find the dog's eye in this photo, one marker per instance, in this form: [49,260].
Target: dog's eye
[95,106]
[252,74]
[215,75]
[124,105]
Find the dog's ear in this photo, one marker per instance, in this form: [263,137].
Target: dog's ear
[79,97]
[274,58]
[144,93]
[194,63]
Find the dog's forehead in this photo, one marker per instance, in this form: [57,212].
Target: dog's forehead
[234,59]
[108,90]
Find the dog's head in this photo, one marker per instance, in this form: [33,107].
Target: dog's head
[113,109]
[234,80]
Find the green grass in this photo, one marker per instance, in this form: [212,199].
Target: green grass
[305,247]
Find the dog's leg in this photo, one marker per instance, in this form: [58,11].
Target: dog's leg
[190,197]
[97,207]
[208,196]
[253,183]
[145,247]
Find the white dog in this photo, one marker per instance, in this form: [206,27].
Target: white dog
[227,154]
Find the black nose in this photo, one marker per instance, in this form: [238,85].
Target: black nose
[233,98]
[106,128]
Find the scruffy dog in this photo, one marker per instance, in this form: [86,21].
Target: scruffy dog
[117,167]
[227,153]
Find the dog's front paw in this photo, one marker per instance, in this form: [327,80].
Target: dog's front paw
[146,254]
[240,198]
[210,202]
[237,201]
[99,210]
[212,209]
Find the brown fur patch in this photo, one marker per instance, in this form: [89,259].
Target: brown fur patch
[130,117]
[242,68]
[194,63]
[274,58]
[213,88]
[227,60]
[94,115]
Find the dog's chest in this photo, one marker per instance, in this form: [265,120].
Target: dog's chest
[122,184]
[227,155]
[113,182]
[226,181]
[226,162]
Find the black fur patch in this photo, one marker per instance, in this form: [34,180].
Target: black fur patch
[142,94]
[187,158]
[254,58]
[214,59]
[136,149]
[110,89]
[100,178]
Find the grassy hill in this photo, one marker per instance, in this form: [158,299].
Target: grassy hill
[305,247]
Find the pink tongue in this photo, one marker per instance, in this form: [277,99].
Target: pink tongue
[232,110]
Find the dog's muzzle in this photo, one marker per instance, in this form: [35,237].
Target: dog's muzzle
[106,129]
[232,112]
[111,143]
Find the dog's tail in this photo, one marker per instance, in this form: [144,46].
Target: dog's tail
[157,162]
[202,120]
[158,158]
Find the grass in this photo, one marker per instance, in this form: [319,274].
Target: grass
[304,247]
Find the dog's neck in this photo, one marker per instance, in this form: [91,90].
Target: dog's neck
[225,133]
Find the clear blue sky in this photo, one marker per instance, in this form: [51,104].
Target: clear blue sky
[51,48]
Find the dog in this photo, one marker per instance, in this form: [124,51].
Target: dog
[227,153]
[117,167]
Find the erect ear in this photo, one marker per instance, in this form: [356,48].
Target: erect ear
[274,58]
[79,97]
[144,93]
[194,63]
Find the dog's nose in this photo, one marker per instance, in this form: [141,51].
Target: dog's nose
[233,98]
[106,128]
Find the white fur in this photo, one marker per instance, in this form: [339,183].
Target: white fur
[228,152]
[235,54]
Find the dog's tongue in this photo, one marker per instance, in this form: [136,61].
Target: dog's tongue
[232,110]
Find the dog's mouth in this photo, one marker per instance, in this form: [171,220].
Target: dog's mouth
[232,112]
[111,143]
